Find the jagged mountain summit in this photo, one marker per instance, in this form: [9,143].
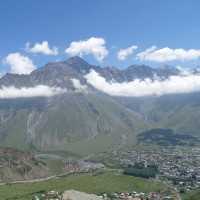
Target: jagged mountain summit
[56,73]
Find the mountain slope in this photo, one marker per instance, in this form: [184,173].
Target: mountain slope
[83,119]
[81,122]
[178,112]
[69,120]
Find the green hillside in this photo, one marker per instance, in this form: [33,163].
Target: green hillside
[79,123]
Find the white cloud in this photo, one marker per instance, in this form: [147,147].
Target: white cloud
[95,46]
[167,54]
[136,88]
[27,92]
[78,86]
[42,48]
[19,64]
[124,53]
[184,70]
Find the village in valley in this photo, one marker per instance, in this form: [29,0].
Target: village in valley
[177,168]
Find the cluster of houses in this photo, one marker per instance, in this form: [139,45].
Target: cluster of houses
[178,166]
[76,195]
[51,195]
[136,196]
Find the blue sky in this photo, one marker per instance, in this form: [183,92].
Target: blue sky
[121,24]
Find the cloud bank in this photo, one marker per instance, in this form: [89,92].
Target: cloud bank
[12,92]
[77,85]
[42,48]
[167,54]
[94,46]
[137,88]
[19,64]
[123,54]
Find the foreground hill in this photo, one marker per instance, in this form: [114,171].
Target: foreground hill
[18,165]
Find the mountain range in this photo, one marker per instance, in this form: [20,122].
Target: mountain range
[82,119]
